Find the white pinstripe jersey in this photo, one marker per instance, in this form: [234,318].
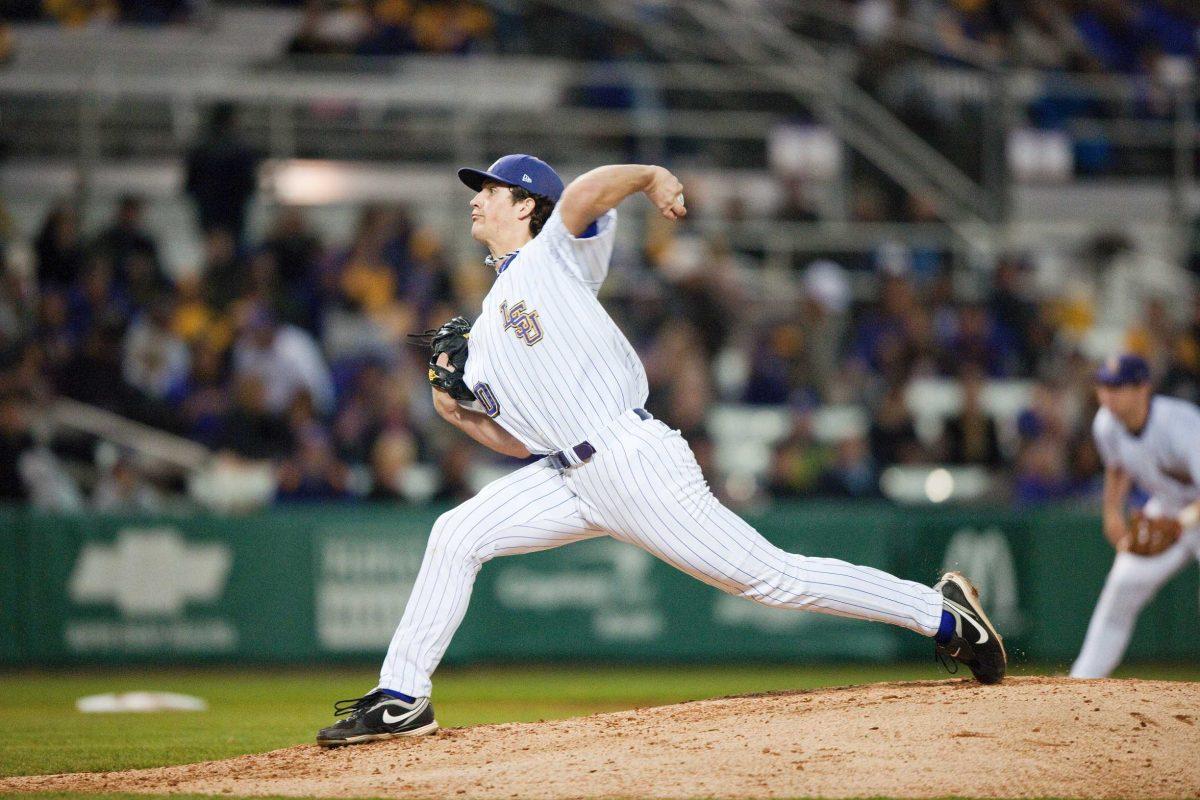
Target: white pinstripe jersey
[1164,459]
[546,360]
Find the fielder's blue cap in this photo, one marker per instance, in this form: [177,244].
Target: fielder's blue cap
[517,169]
[1124,370]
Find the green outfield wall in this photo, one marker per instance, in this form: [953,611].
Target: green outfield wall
[330,583]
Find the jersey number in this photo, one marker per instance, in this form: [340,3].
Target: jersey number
[483,393]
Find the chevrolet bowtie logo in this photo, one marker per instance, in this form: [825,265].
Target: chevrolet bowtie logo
[150,572]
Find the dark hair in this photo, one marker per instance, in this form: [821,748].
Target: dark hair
[542,208]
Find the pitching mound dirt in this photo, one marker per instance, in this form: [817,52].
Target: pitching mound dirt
[1030,737]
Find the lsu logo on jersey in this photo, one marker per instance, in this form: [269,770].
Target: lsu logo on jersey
[522,321]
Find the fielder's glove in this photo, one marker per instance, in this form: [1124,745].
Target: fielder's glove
[1149,536]
[450,339]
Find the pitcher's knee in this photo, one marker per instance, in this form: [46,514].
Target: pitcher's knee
[776,578]
[452,539]
[767,592]
[756,593]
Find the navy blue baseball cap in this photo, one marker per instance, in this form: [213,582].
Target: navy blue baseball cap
[1125,370]
[517,169]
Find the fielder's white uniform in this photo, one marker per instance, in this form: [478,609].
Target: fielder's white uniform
[1164,460]
[554,370]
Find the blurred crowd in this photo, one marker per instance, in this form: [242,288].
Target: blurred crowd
[815,344]
[899,46]
[462,27]
[1128,36]
[289,350]
[392,27]
[286,348]
[98,13]
[353,27]
[893,48]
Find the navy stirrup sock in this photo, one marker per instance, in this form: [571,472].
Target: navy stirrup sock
[946,629]
[407,699]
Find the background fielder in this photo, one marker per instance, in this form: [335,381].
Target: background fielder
[551,374]
[1153,441]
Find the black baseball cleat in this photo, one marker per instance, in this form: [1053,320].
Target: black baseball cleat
[975,641]
[377,716]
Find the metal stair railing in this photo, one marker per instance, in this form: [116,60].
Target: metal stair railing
[160,446]
[901,31]
[741,37]
[865,115]
[859,118]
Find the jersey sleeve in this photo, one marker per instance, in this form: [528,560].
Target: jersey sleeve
[586,257]
[1185,437]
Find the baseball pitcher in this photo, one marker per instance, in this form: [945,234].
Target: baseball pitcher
[544,371]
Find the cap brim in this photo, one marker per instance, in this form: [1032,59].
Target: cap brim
[474,178]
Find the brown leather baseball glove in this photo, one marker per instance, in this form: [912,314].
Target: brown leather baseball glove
[1149,536]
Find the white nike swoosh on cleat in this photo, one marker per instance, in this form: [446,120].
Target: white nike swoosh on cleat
[982,629]
[388,719]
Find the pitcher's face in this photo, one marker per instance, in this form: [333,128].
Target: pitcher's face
[494,213]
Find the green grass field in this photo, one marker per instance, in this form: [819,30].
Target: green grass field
[258,709]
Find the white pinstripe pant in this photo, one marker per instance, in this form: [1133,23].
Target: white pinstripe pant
[643,487]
